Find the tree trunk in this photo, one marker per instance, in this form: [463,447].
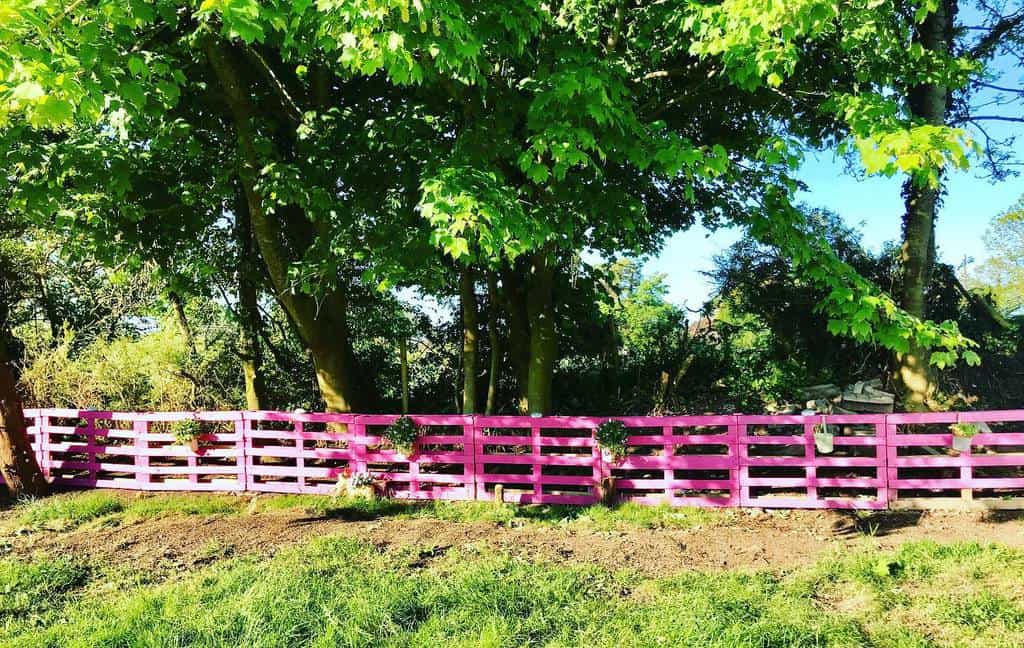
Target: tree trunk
[928,102]
[250,323]
[518,334]
[178,305]
[495,342]
[18,463]
[543,343]
[404,358]
[470,337]
[321,322]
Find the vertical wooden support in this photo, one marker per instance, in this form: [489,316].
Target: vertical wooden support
[357,444]
[882,455]
[538,472]
[669,474]
[470,436]
[299,428]
[733,433]
[140,430]
[242,451]
[43,438]
[811,470]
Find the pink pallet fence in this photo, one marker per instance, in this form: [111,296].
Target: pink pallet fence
[308,453]
[926,472]
[780,466]
[299,453]
[542,460]
[138,451]
[878,461]
[681,460]
[441,467]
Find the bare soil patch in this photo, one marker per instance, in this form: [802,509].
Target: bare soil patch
[749,539]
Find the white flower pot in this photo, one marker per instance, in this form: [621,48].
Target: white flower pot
[824,442]
[961,443]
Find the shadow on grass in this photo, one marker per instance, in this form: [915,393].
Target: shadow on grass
[362,511]
[875,523]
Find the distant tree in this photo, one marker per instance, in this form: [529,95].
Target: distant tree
[1002,274]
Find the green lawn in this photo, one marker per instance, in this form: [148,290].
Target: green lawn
[335,592]
[341,592]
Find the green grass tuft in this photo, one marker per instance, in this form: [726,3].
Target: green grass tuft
[70,510]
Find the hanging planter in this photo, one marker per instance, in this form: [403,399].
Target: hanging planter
[188,433]
[963,433]
[402,435]
[824,439]
[612,437]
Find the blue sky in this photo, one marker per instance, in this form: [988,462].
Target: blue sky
[872,204]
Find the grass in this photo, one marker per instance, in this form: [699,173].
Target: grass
[338,592]
[69,511]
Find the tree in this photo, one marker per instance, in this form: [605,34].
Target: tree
[1002,274]
[18,464]
[514,136]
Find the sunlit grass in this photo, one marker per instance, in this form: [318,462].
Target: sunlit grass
[338,592]
[71,510]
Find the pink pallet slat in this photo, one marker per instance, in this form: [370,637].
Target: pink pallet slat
[924,471]
[780,467]
[538,460]
[682,460]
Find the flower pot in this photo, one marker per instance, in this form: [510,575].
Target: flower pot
[194,444]
[824,442]
[362,492]
[961,443]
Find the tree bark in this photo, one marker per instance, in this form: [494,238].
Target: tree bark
[178,306]
[404,359]
[321,322]
[928,102]
[18,463]
[250,322]
[495,342]
[518,334]
[543,342]
[470,337]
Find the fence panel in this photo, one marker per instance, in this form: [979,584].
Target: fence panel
[299,452]
[681,460]
[926,472]
[780,466]
[440,467]
[538,460]
[138,451]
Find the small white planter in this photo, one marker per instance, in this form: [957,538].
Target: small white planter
[824,442]
[961,443]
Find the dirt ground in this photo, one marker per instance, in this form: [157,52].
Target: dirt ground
[748,539]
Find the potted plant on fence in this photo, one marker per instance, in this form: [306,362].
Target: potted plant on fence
[402,435]
[612,437]
[824,438]
[187,432]
[962,435]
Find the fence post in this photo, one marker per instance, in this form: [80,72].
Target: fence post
[140,428]
[357,442]
[43,439]
[882,432]
[241,450]
[734,470]
[472,476]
